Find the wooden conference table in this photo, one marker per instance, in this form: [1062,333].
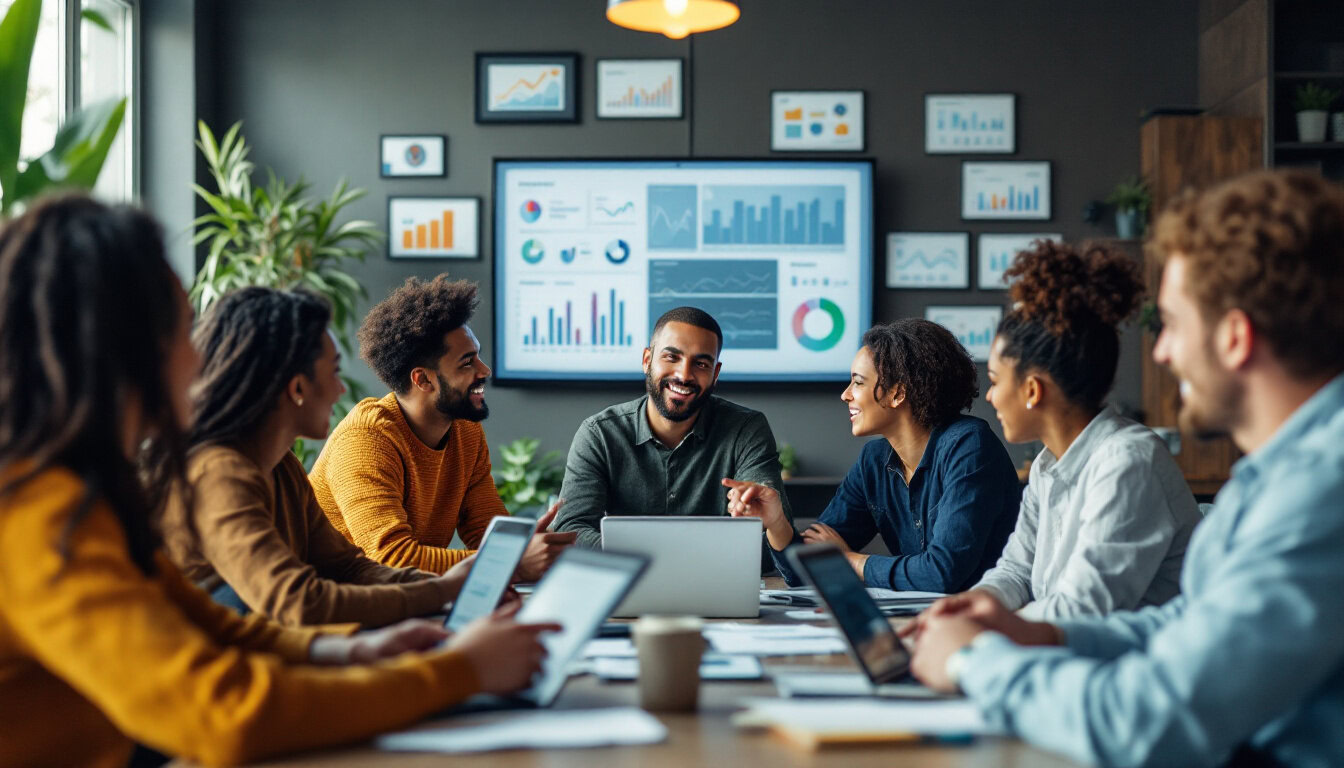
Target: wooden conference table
[705,738]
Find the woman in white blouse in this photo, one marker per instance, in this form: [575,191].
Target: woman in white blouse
[1107,514]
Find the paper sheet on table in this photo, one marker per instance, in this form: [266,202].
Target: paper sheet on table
[619,647]
[774,639]
[836,716]
[714,666]
[552,729]
[807,596]
[844,684]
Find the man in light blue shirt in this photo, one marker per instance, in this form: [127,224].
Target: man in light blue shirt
[1246,665]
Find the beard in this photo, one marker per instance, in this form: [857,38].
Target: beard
[658,394]
[1209,410]
[456,404]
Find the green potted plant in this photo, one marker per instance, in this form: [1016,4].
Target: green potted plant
[276,236]
[77,155]
[525,480]
[788,461]
[1131,199]
[1311,102]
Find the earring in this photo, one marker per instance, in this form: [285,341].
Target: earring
[1028,406]
[299,402]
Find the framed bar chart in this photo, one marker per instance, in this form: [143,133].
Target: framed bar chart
[970,123]
[996,252]
[639,88]
[1005,190]
[433,227]
[974,327]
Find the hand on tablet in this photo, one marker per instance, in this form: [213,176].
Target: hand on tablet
[544,548]
[504,654]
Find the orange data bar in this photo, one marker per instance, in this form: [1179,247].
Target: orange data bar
[448,229]
[793,114]
[420,236]
[433,234]
[407,239]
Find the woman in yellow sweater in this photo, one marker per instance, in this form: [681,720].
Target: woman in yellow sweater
[251,533]
[101,639]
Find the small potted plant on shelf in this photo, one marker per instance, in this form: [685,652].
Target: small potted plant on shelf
[788,461]
[525,480]
[1131,200]
[1312,104]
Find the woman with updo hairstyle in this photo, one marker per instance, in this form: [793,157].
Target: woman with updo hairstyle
[1107,513]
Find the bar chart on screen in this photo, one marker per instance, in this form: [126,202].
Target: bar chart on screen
[433,227]
[795,216]
[1005,190]
[974,327]
[577,318]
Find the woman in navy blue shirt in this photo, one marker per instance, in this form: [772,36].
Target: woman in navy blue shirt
[938,487]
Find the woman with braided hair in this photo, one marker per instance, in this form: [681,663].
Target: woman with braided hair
[251,532]
[102,640]
[1107,514]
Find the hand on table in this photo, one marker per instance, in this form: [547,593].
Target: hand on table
[372,645]
[985,610]
[544,548]
[505,655]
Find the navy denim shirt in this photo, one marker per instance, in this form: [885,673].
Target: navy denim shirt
[946,528]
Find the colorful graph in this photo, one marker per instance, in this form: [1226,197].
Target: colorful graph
[774,215]
[672,217]
[818,120]
[739,293]
[618,251]
[974,327]
[1005,191]
[659,97]
[635,88]
[432,227]
[533,251]
[605,328]
[969,123]
[526,87]
[818,324]
[530,210]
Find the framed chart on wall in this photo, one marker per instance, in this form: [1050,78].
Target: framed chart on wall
[639,89]
[1005,190]
[527,87]
[970,123]
[974,327]
[928,260]
[816,121]
[433,227]
[995,253]
[413,155]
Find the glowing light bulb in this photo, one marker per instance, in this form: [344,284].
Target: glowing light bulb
[676,8]
[676,31]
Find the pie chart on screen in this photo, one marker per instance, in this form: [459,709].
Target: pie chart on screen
[531,211]
[818,324]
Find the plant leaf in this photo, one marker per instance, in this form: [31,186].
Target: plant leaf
[77,156]
[97,19]
[18,36]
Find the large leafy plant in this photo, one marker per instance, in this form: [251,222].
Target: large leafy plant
[82,142]
[276,236]
[525,480]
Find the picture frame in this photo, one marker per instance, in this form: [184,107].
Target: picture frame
[970,123]
[1006,190]
[817,121]
[412,155]
[974,326]
[938,260]
[640,89]
[995,251]
[527,87]
[433,227]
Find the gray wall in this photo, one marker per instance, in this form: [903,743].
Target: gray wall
[317,83]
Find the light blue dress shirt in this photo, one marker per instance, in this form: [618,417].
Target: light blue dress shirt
[1252,651]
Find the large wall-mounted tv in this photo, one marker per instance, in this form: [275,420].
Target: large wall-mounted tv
[588,254]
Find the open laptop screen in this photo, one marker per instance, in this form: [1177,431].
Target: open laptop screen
[490,574]
[875,646]
[579,592]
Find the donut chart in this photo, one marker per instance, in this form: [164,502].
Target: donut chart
[531,211]
[837,324]
[533,251]
[618,251]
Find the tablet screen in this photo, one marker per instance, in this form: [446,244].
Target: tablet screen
[491,572]
[877,647]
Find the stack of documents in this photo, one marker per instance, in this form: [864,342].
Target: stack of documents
[814,724]
[551,729]
[891,602]
[714,666]
[774,639]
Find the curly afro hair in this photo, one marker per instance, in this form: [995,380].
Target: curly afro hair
[926,361]
[1067,304]
[405,331]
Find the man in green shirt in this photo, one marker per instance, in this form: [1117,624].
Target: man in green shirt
[666,453]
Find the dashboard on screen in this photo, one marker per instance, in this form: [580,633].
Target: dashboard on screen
[588,254]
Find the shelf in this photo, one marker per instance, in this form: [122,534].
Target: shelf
[1301,75]
[1310,146]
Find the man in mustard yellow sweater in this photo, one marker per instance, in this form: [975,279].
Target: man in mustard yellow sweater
[401,474]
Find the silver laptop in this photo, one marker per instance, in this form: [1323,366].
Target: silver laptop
[701,566]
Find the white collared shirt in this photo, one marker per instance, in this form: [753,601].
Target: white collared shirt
[1104,528]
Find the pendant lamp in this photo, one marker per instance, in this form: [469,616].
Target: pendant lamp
[674,18]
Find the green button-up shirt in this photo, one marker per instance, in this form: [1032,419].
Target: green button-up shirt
[617,467]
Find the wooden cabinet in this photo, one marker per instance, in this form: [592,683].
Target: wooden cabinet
[1181,152]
